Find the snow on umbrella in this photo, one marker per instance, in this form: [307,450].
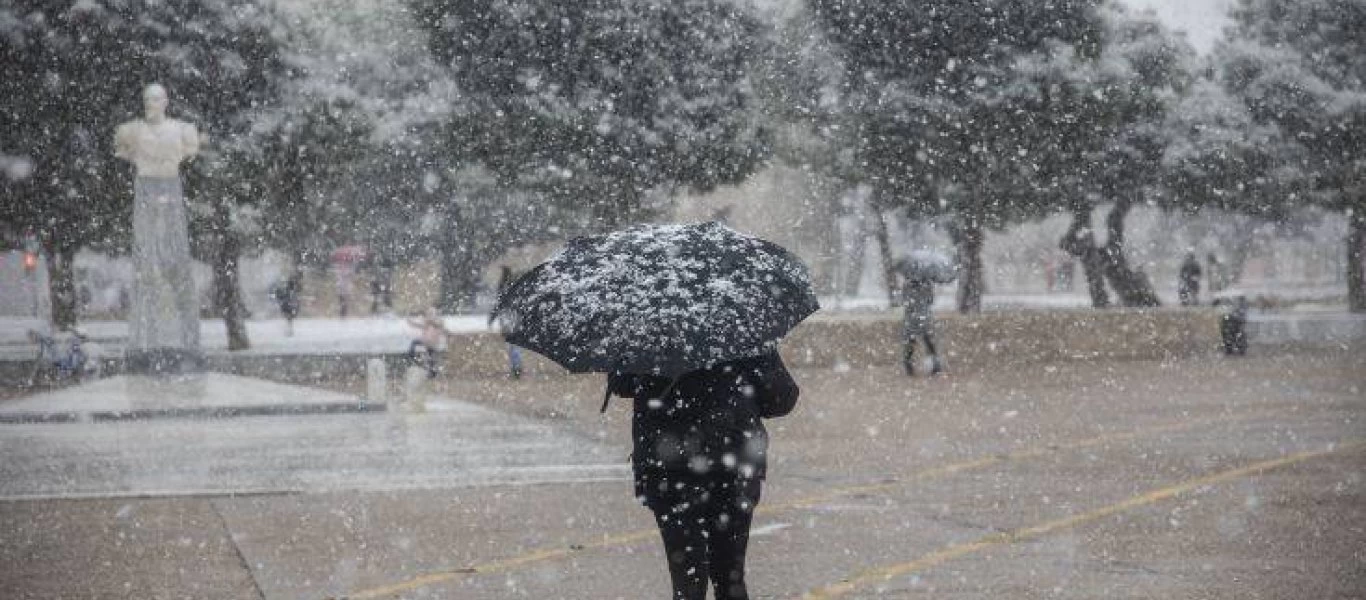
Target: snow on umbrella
[928,265]
[658,299]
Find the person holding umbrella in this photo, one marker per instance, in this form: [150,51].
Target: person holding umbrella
[699,457]
[920,272]
[505,279]
[684,320]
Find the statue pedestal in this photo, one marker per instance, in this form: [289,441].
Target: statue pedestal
[163,322]
[163,361]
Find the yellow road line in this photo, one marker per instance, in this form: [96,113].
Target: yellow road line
[547,554]
[886,573]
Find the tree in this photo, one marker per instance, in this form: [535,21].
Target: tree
[1305,73]
[1098,136]
[604,100]
[311,147]
[75,69]
[1222,159]
[934,139]
[598,108]
[803,97]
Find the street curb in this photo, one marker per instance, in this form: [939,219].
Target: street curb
[205,412]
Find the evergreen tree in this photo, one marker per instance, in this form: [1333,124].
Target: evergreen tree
[1305,72]
[934,138]
[600,107]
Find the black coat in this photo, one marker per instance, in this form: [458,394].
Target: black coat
[709,422]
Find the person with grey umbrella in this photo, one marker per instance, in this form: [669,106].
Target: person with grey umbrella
[919,273]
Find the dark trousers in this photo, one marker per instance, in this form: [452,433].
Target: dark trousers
[1232,331]
[908,354]
[705,526]
[425,356]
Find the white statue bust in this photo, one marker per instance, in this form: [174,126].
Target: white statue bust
[155,144]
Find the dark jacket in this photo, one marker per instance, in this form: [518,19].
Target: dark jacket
[709,422]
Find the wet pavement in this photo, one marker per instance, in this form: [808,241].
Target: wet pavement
[1208,478]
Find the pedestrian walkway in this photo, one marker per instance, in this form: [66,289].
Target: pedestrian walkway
[243,435]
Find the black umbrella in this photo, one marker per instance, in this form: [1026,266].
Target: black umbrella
[658,299]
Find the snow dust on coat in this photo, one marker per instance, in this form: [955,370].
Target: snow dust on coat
[709,423]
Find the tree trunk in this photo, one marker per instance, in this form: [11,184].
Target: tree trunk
[227,294]
[854,258]
[1080,243]
[1356,277]
[62,285]
[969,238]
[1132,286]
[884,247]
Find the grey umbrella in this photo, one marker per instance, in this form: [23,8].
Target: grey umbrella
[928,265]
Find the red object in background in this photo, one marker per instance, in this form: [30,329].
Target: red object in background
[350,253]
[30,262]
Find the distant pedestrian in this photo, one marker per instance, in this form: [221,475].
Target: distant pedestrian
[919,274]
[381,285]
[344,261]
[1233,326]
[430,344]
[346,278]
[505,279]
[699,460]
[286,296]
[1217,273]
[1188,285]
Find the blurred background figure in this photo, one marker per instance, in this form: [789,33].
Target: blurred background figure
[1217,273]
[286,296]
[344,261]
[381,284]
[505,279]
[1188,284]
[430,344]
[920,271]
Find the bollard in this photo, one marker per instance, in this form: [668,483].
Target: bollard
[415,389]
[376,383]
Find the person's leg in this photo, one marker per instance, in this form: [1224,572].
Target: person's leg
[730,516]
[433,361]
[908,355]
[685,549]
[936,366]
[514,361]
[908,342]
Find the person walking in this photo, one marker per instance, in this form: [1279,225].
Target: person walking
[505,279]
[427,349]
[286,295]
[1218,273]
[1188,285]
[919,274]
[381,284]
[699,460]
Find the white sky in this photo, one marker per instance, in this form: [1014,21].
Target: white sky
[1202,20]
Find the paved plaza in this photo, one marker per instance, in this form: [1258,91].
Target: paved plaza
[1207,478]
